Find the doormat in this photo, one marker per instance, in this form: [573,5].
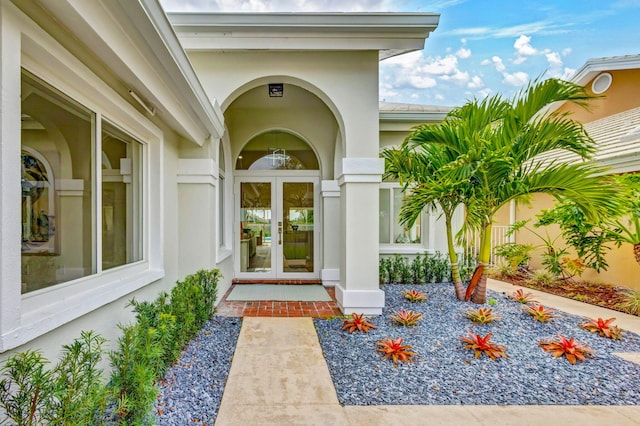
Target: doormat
[279,292]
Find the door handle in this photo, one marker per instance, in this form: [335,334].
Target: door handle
[280,233]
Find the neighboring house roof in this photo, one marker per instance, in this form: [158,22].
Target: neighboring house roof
[400,112]
[389,33]
[594,66]
[617,136]
[618,142]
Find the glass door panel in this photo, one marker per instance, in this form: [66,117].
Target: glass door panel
[255,223]
[298,227]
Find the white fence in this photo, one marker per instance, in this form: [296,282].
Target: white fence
[498,237]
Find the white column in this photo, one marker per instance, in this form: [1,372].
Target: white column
[359,290]
[330,272]
[197,179]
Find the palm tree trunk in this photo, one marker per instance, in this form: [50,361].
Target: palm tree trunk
[453,259]
[478,292]
[636,252]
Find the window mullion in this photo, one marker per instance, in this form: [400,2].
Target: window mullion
[97,192]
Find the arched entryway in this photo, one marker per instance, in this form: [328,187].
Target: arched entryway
[282,147]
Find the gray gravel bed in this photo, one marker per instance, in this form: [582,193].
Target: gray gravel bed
[191,390]
[446,373]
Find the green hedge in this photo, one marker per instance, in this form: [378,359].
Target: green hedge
[73,392]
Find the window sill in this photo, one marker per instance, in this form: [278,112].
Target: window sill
[223,253]
[73,301]
[403,249]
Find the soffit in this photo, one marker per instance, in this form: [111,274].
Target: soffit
[135,41]
[389,33]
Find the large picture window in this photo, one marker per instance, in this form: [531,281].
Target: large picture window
[62,194]
[391,232]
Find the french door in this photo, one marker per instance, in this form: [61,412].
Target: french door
[276,233]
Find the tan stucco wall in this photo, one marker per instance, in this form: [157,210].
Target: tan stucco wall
[622,271]
[623,94]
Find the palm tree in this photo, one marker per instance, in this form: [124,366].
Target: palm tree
[500,147]
[429,183]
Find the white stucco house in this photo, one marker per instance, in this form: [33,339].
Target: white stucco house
[137,148]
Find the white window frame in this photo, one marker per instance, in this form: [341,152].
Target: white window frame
[426,221]
[26,317]
[224,212]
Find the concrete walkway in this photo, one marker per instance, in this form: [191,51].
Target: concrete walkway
[279,377]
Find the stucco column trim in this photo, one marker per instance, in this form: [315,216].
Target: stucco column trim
[361,170]
[329,188]
[197,170]
[368,302]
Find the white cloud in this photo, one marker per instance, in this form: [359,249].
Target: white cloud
[518,78]
[524,49]
[463,53]
[554,59]
[497,62]
[458,77]
[475,83]
[441,66]
[484,93]
[421,82]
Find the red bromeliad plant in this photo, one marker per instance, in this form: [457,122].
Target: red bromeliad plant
[603,328]
[395,350]
[522,297]
[415,296]
[540,313]
[357,322]
[482,315]
[481,345]
[572,350]
[406,318]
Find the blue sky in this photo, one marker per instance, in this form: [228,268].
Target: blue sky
[481,47]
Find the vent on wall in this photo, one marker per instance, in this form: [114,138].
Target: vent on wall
[601,83]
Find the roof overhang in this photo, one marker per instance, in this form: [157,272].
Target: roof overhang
[595,66]
[135,40]
[389,33]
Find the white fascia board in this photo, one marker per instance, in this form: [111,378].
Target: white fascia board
[209,111]
[391,33]
[123,37]
[597,65]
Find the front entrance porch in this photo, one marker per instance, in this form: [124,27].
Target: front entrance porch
[274,308]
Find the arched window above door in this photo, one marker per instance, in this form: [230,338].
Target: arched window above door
[277,150]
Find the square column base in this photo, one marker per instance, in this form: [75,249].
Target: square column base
[368,302]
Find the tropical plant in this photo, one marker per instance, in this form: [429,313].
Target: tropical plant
[521,297]
[603,328]
[481,345]
[429,183]
[395,350]
[406,318]
[482,315]
[569,348]
[591,236]
[539,312]
[542,277]
[630,302]
[495,150]
[357,322]
[515,255]
[415,296]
